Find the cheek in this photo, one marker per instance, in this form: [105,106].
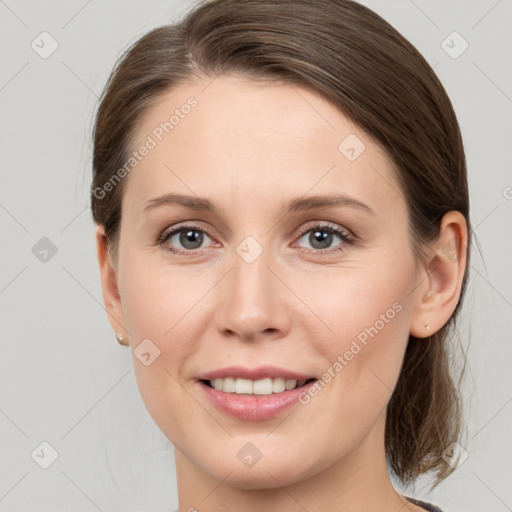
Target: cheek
[347,303]
[368,313]
[158,300]
[155,313]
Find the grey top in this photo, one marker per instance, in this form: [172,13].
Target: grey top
[424,504]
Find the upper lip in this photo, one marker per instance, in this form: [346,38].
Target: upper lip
[258,373]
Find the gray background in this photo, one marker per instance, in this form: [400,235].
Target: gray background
[63,377]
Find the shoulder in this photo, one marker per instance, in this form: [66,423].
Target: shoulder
[427,506]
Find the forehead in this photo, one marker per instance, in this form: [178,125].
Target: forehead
[231,136]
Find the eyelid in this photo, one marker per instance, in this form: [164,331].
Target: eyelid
[180,226]
[325,225]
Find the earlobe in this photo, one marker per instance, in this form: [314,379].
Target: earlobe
[108,277]
[441,285]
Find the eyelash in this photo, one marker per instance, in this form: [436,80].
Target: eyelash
[345,235]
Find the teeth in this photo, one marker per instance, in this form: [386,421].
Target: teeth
[228,385]
[290,384]
[262,387]
[278,385]
[255,387]
[242,386]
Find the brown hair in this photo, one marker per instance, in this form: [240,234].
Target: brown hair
[374,76]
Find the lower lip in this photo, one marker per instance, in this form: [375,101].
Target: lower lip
[253,407]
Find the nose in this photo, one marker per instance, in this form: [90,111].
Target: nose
[253,301]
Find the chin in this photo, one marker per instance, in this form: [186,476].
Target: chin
[270,476]
[271,471]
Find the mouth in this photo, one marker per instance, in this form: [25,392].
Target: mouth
[255,394]
[263,387]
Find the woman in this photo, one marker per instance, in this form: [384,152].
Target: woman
[283,240]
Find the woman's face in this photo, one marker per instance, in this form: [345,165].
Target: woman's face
[270,281]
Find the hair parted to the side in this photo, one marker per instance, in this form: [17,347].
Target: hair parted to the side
[358,61]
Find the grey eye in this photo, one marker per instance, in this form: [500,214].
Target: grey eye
[188,238]
[320,238]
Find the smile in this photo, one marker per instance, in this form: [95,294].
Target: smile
[265,386]
[253,394]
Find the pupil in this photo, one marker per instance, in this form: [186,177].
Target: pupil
[321,237]
[191,237]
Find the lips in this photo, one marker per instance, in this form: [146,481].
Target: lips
[254,394]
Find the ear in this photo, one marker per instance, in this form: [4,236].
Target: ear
[111,297]
[441,278]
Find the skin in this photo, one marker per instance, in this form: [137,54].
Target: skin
[251,147]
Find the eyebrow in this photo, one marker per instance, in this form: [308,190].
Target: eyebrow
[298,204]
